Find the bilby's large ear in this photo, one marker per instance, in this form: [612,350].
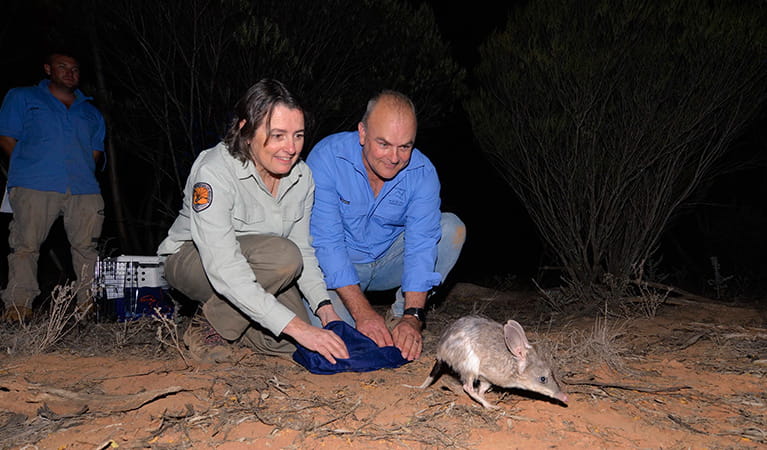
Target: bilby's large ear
[516,342]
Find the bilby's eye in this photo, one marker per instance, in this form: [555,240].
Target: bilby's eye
[542,380]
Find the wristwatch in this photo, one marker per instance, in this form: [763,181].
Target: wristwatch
[321,304]
[418,313]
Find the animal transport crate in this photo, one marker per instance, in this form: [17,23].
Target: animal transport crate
[128,287]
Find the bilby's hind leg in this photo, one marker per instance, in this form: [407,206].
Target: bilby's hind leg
[478,394]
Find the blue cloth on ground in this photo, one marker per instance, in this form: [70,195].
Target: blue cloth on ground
[364,354]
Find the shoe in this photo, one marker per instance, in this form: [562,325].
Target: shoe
[17,314]
[205,344]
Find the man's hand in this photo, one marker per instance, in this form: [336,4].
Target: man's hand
[407,337]
[368,321]
[373,326]
[324,342]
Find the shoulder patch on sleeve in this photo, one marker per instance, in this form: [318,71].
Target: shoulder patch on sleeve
[202,196]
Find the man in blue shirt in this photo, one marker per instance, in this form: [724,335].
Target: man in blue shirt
[54,138]
[376,223]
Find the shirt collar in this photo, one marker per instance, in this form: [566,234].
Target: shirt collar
[79,96]
[247,170]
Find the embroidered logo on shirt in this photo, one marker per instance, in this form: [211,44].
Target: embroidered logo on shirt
[202,196]
[397,197]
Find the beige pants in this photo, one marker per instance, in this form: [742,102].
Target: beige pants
[276,262]
[33,215]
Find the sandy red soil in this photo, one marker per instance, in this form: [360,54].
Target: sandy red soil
[693,376]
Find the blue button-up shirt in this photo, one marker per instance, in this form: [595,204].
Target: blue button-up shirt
[350,225]
[55,144]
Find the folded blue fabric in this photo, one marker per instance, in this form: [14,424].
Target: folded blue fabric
[364,354]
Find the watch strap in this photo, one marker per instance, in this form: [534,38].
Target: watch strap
[321,304]
[418,313]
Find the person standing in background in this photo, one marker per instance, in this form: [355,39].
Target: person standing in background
[54,138]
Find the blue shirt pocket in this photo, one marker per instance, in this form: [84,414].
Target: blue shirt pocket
[40,124]
[352,212]
[391,212]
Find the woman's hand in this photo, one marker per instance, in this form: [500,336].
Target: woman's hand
[327,314]
[324,342]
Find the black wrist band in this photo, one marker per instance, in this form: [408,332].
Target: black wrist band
[321,304]
[418,313]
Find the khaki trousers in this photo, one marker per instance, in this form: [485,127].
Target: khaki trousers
[33,215]
[275,261]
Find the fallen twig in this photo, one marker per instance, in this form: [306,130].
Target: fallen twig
[137,374]
[627,387]
[337,418]
[665,287]
[754,434]
[108,444]
[684,424]
[101,403]
[691,341]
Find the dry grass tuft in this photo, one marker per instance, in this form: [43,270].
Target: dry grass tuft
[40,335]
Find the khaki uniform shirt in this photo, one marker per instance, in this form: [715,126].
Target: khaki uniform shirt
[224,199]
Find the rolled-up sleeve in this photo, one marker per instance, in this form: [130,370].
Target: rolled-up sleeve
[422,231]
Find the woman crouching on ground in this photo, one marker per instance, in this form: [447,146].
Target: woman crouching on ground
[240,244]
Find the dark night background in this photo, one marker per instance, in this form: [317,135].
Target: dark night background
[727,218]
